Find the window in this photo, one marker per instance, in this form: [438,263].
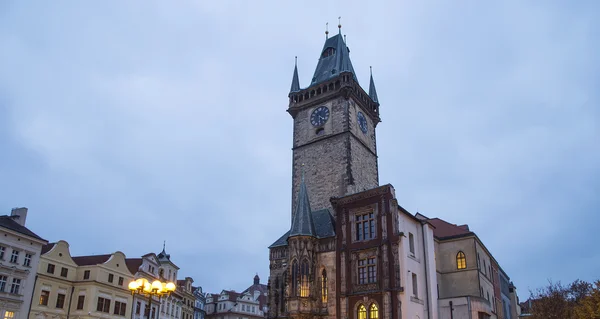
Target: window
[488,296]
[119,308]
[324,286]
[111,277]
[328,52]
[243,307]
[2,250]
[294,278]
[27,261]
[304,280]
[16,284]
[484,267]
[415,285]
[14,257]
[103,305]
[44,296]
[80,302]
[86,274]
[50,269]
[367,270]
[362,312]
[120,281]
[411,243]
[60,301]
[153,312]
[3,280]
[373,312]
[64,272]
[365,226]
[9,315]
[138,306]
[461,260]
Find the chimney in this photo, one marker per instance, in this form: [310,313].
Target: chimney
[19,215]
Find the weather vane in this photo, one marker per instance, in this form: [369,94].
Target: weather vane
[327,30]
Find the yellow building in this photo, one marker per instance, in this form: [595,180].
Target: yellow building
[81,287]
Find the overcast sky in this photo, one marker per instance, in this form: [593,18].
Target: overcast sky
[126,123]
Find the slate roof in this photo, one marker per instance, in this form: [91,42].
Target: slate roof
[372,91]
[323,223]
[91,260]
[9,223]
[302,221]
[295,81]
[331,66]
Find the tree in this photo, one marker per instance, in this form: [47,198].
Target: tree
[579,300]
[589,306]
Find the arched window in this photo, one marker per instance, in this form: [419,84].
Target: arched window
[373,312]
[324,286]
[304,279]
[294,278]
[362,312]
[461,260]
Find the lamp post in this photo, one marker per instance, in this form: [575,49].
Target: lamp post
[157,288]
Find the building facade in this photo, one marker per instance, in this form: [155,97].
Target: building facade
[81,287]
[20,251]
[199,312]
[251,303]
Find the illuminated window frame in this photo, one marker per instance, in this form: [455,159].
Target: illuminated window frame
[461,260]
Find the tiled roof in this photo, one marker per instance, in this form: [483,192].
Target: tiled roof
[46,248]
[9,223]
[91,260]
[444,229]
[323,223]
[133,264]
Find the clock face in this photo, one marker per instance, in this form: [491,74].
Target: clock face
[319,116]
[362,122]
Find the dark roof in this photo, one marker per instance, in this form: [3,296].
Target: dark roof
[372,91]
[302,222]
[9,223]
[330,66]
[133,264]
[91,260]
[295,81]
[444,229]
[324,227]
[46,248]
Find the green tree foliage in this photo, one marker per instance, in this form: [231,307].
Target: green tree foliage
[579,300]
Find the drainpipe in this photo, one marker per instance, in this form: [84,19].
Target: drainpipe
[426,274]
[451,310]
[469,303]
[70,300]
[33,293]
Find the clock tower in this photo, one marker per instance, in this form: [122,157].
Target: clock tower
[334,140]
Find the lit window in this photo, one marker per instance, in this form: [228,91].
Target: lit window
[461,260]
[9,315]
[365,226]
[44,296]
[362,312]
[324,286]
[373,312]
[304,288]
[14,257]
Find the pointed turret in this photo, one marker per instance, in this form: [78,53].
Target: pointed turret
[372,91]
[295,82]
[302,222]
[335,59]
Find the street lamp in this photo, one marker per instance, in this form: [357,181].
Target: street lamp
[157,288]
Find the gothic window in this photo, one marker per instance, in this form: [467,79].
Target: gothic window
[461,260]
[367,270]
[294,278]
[365,226]
[373,312]
[283,291]
[362,312]
[304,288]
[324,286]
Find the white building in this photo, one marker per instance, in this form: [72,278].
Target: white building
[19,257]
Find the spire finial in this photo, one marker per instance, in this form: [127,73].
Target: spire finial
[296,60]
[340,24]
[327,30]
[371,69]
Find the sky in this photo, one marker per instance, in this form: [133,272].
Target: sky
[124,124]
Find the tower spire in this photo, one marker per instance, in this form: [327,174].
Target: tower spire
[295,82]
[302,222]
[372,91]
